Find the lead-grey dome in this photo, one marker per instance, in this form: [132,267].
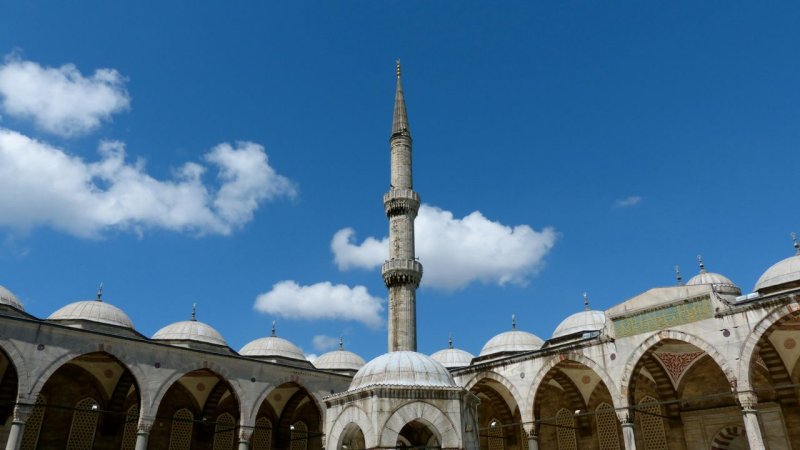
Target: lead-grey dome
[272,346]
[190,330]
[8,298]
[403,368]
[720,282]
[584,321]
[512,341]
[782,272]
[340,359]
[93,311]
[452,358]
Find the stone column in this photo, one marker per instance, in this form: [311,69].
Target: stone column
[21,414]
[533,439]
[626,420]
[749,400]
[143,433]
[244,438]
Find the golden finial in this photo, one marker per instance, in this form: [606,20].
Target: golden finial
[678,276]
[398,68]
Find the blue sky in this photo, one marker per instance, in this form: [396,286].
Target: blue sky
[601,143]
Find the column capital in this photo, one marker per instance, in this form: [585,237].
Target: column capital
[625,416]
[245,433]
[144,425]
[22,411]
[748,400]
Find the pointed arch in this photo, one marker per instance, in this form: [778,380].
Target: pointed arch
[267,390]
[653,342]
[441,426]
[747,352]
[150,408]
[352,415]
[521,400]
[23,373]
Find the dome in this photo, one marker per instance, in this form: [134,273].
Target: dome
[93,311]
[782,272]
[722,283]
[190,330]
[403,368]
[453,357]
[512,341]
[272,346]
[339,359]
[583,321]
[8,298]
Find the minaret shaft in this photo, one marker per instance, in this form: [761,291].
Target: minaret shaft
[402,272]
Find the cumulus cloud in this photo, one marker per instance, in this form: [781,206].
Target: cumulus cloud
[456,252]
[45,186]
[321,301]
[322,342]
[311,357]
[627,202]
[60,100]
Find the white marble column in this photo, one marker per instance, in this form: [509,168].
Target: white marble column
[143,433]
[244,438]
[21,414]
[626,420]
[749,400]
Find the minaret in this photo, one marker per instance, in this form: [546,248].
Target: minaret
[402,272]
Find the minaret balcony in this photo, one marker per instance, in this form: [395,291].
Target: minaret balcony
[401,271]
[400,201]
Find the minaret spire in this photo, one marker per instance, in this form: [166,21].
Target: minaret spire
[402,272]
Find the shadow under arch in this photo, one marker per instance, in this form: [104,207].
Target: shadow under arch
[519,399]
[10,351]
[267,390]
[149,409]
[439,424]
[98,378]
[761,329]
[653,342]
[285,405]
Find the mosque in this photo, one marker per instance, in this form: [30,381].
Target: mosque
[696,365]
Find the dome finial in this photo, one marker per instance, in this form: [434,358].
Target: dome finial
[796,245]
[194,312]
[586,301]
[341,343]
[398,68]
[450,341]
[513,321]
[700,262]
[273,329]
[100,292]
[678,276]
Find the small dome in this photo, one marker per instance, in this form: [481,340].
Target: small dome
[782,272]
[8,298]
[339,359]
[272,346]
[722,283]
[512,341]
[190,330]
[93,311]
[452,358]
[583,321]
[403,368]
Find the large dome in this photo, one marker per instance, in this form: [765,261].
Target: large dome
[190,330]
[8,298]
[512,341]
[782,272]
[93,311]
[584,321]
[403,368]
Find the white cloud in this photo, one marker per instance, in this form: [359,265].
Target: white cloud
[311,357]
[321,301]
[456,252]
[627,202]
[61,100]
[45,186]
[322,342]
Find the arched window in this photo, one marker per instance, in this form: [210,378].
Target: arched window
[131,427]
[262,435]
[299,436]
[34,424]
[565,421]
[180,437]
[607,428]
[495,440]
[84,424]
[652,424]
[223,432]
